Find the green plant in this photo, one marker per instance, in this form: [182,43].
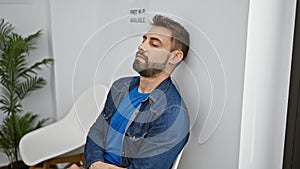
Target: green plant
[18,80]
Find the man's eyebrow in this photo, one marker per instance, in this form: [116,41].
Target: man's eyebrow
[156,39]
[152,38]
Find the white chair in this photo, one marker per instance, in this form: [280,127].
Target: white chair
[176,162]
[63,140]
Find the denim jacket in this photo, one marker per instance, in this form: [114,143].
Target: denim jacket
[155,134]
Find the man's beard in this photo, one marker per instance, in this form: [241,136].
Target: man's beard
[147,69]
[150,72]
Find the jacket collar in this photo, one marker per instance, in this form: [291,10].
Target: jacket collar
[155,94]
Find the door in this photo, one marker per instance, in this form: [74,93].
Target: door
[292,143]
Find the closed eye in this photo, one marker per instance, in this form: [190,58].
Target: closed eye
[154,44]
[153,41]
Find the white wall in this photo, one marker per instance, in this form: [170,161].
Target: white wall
[222,39]
[94,42]
[73,22]
[28,16]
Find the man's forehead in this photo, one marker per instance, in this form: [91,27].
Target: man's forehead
[159,31]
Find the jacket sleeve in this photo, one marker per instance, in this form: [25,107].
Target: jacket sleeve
[93,152]
[95,141]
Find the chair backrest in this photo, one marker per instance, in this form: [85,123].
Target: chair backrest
[176,162]
[67,134]
[89,105]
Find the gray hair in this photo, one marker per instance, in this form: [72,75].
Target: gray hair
[180,36]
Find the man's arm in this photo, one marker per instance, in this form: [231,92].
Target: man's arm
[96,138]
[97,165]
[92,152]
[94,156]
[102,165]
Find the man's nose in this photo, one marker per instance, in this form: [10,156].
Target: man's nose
[142,46]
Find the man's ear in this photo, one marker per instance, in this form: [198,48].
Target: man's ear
[176,57]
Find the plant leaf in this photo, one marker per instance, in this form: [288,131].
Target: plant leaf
[29,85]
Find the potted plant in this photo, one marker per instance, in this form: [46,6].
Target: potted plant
[17,81]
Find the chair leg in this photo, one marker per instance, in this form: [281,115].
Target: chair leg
[46,165]
[36,167]
[82,159]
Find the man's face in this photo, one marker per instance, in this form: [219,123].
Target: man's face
[154,52]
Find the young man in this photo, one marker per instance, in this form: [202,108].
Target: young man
[144,123]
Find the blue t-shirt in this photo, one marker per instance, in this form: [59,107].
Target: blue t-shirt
[118,125]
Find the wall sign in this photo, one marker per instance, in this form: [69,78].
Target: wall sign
[137,15]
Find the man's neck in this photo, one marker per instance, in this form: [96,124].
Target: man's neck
[148,84]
